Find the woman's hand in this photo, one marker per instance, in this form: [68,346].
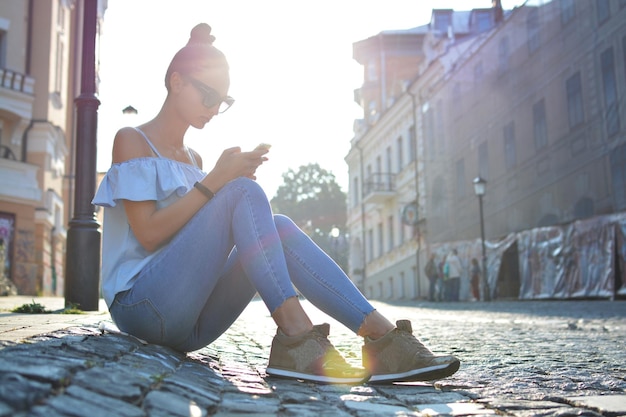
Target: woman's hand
[233,163]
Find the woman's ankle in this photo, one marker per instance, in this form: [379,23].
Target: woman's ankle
[291,318]
[375,326]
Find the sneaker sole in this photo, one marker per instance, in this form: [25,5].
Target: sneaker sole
[321,379]
[423,374]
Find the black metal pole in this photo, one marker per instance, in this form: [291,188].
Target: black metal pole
[82,275]
[486,291]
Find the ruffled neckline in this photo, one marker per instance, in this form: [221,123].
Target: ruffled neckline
[146,178]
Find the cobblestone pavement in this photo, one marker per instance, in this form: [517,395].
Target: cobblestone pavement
[551,358]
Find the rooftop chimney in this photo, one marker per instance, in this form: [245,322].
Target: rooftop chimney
[497,8]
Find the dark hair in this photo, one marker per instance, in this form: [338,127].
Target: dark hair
[198,54]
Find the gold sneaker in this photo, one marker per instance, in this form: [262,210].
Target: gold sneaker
[400,357]
[311,357]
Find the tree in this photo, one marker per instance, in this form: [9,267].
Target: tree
[314,201]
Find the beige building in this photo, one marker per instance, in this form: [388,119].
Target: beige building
[531,100]
[40,45]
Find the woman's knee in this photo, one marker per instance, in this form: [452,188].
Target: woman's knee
[243,183]
[283,223]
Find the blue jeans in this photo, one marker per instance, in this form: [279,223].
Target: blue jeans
[233,247]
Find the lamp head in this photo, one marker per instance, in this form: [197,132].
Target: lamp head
[479,186]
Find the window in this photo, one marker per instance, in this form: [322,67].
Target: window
[58,79]
[439,204]
[439,130]
[370,245]
[443,20]
[390,235]
[356,198]
[380,240]
[510,155]
[568,11]
[372,73]
[609,84]
[618,177]
[388,160]
[61,14]
[483,21]
[532,29]
[429,132]
[372,111]
[603,8]
[412,143]
[399,153]
[3,48]
[483,160]
[503,55]
[456,96]
[624,52]
[540,126]
[460,178]
[574,101]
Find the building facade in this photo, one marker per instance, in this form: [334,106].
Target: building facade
[40,45]
[531,100]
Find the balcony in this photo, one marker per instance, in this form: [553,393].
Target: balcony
[17,93]
[18,182]
[379,188]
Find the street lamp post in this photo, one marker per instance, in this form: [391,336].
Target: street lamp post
[334,242]
[479,190]
[82,257]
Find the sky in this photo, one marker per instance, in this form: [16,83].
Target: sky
[292,72]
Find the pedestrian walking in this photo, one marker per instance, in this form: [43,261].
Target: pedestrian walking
[475,274]
[441,281]
[185,250]
[432,273]
[453,280]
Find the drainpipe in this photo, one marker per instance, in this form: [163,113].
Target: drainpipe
[363,246]
[29,36]
[417,234]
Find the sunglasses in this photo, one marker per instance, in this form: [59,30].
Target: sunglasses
[210,96]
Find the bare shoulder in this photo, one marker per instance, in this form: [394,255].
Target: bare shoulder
[129,144]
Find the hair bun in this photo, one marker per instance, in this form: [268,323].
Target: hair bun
[201,34]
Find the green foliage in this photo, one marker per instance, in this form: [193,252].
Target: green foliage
[72,309]
[36,308]
[32,308]
[312,198]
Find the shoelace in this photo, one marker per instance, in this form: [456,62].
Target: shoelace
[421,349]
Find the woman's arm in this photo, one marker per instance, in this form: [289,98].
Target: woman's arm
[153,227]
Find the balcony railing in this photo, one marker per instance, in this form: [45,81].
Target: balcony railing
[16,81]
[379,187]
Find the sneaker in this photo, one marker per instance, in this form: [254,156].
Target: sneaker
[312,357]
[400,357]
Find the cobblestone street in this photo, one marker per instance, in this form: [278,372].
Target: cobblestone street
[552,358]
